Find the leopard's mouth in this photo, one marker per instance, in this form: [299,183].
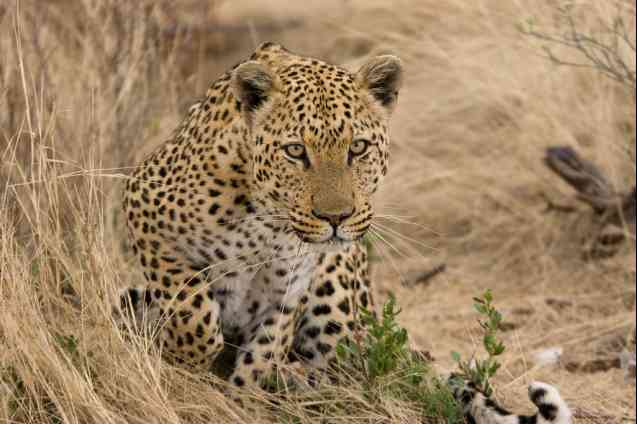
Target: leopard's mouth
[333,244]
[333,238]
[323,232]
[322,240]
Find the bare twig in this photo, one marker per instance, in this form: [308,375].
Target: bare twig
[426,276]
[589,182]
[602,51]
[616,211]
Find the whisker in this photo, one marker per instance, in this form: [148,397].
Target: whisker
[413,251]
[292,267]
[392,206]
[258,218]
[385,256]
[378,234]
[400,220]
[392,232]
[396,216]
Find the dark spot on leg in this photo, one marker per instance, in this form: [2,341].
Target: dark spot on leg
[344,307]
[324,348]
[313,332]
[333,327]
[322,310]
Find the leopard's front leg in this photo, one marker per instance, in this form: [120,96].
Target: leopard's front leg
[340,289]
[268,339]
[267,343]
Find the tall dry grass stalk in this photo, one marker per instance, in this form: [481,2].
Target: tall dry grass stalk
[87,86]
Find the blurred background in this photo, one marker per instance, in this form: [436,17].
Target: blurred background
[88,87]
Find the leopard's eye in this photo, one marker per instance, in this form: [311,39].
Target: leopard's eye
[295,151]
[358,147]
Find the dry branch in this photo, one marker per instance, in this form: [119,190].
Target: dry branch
[426,276]
[593,188]
[603,51]
[589,182]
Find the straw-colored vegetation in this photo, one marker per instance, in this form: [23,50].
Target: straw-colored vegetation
[88,86]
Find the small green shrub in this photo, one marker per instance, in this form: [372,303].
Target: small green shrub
[384,347]
[480,371]
[390,368]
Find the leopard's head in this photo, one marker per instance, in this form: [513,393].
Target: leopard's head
[318,138]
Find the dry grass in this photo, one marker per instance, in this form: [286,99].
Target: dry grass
[87,86]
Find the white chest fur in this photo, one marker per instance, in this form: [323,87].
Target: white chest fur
[256,266]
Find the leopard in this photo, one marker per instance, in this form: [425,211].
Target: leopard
[249,221]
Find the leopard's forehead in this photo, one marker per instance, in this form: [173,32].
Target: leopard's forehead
[320,100]
[318,82]
[321,103]
[315,72]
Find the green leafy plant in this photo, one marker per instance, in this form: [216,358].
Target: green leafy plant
[68,343]
[380,352]
[480,371]
[383,347]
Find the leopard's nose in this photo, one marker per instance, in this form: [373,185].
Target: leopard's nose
[334,218]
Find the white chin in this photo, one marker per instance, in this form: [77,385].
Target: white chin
[330,245]
[329,242]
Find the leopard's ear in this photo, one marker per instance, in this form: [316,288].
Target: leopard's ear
[383,77]
[253,85]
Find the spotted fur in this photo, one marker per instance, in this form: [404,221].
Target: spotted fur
[479,409]
[247,221]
